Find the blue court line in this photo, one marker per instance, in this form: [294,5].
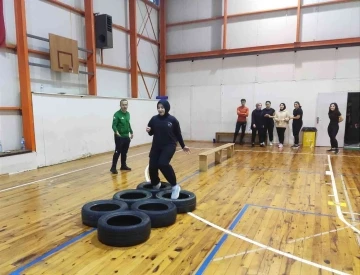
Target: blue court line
[217,246]
[69,242]
[51,252]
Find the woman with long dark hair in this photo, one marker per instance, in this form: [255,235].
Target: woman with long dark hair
[269,114]
[297,123]
[281,118]
[333,128]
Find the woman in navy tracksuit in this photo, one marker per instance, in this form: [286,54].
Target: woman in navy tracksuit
[166,131]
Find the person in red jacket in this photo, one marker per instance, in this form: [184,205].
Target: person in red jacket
[243,113]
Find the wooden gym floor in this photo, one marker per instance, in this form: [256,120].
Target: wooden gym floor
[276,205]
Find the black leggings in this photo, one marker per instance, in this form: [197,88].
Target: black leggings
[333,129]
[296,127]
[237,129]
[121,147]
[259,130]
[160,160]
[269,129]
[281,134]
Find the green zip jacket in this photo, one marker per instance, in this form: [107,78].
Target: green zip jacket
[121,123]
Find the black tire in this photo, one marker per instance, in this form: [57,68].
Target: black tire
[161,213]
[185,203]
[123,229]
[92,211]
[148,187]
[132,195]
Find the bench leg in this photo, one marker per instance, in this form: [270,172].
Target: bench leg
[218,156]
[229,152]
[203,163]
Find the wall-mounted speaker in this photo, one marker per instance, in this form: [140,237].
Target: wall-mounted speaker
[103,31]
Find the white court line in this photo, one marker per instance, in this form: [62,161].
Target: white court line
[294,153]
[336,197]
[349,206]
[292,241]
[73,171]
[238,254]
[63,174]
[266,247]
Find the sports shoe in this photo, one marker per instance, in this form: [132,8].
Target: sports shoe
[281,146]
[270,143]
[175,192]
[157,186]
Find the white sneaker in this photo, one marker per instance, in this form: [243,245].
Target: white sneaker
[271,144]
[281,146]
[157,186]
[175,192]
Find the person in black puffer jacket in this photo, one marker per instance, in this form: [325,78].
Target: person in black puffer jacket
[166,131]
[257,125]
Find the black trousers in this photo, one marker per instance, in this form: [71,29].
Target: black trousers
[269,129]
[260,131]
[121,147]
[160,160]
[281,134]
[239,125]
[296,127]
[333,129]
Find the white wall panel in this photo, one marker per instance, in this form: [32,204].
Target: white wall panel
[152,85]
[194,38]
[17,163]
[144,25]
[186,10]
[9,80]
[10,130]
[148,56]
[180,107]
[231,99]
[119,54]
[236,6]
[277,28]
[242,32]
[278,77]
[90,129]
[262,29]
[239,69]
[331,22]
[205,112]
[348,62]
[44,80]
[179,73]
[9,17]
[314,64]
[174,42]
[112,83]
[207,72]
[202,37]
[57,22]
[117,9]
[275,67]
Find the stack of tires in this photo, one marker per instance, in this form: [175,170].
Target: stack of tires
[127,218]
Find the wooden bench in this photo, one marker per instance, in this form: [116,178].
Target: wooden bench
[203,157]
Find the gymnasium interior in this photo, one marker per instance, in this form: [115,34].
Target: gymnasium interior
[244,207]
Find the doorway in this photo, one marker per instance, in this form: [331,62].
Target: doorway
[352,124]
